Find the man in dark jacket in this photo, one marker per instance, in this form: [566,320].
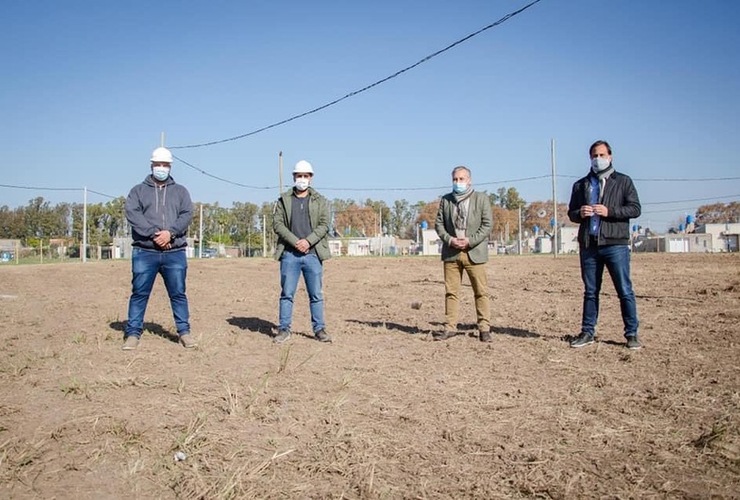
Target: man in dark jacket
[463,223]
[301,222]
[603,203]
[159,211]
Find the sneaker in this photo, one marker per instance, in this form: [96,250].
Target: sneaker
[130,343]
[485,337]
[633,343]
[187,341]
[322,336]
[442,335]
[583,340]
[282,336]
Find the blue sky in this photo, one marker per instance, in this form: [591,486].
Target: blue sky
[88,87]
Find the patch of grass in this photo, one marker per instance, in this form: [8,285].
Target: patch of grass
[231,399]
[74,387]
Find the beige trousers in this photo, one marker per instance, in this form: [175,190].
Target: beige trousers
[453,272]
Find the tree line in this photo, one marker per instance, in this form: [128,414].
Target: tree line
[244,223]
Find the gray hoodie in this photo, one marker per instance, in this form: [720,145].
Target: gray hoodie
[151,208]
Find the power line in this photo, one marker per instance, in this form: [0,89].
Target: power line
[667,179]
[695,199]
[364,89]
[436,188]
[197,169]
[36,188]
[684,179]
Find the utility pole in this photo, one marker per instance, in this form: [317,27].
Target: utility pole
[554,201]
[83,252]
[520,230]
[200,236]
[280,173]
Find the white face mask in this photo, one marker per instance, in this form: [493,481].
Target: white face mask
[161,173]
[599,164]
[301,184]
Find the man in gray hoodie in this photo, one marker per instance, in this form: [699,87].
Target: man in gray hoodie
[159,211]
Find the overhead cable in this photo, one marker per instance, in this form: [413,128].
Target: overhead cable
[364,89]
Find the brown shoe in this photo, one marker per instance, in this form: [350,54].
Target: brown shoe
[442,335]
[187,341]
[485,337]
[130,343]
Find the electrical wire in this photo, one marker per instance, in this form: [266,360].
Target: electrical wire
[197,169]
[695,199]
[364,89]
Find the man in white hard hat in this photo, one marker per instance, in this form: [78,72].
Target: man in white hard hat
[301,222]
[159,211]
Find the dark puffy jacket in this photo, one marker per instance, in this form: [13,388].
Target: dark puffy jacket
[619,197]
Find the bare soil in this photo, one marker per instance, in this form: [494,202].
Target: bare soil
[383,411]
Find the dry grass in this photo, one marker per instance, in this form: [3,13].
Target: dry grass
[383,412]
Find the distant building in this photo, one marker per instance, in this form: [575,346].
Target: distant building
[724,236]
[568,239]
[430,242]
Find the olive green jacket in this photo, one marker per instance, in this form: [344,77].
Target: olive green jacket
[318,214]
[480,222]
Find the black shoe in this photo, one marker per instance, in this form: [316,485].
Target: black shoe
[485,337]
[322,336]
[282,336]
[583,340]
[633,343]
[442,335]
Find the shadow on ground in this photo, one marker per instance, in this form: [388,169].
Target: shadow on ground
[153,328]
[253,325]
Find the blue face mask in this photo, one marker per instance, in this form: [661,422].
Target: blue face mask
[459,187]
[161,173]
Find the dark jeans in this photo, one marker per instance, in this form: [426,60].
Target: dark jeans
[616,258]
[146,264]
[292,265]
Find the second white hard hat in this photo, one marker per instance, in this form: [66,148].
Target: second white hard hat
[303,167]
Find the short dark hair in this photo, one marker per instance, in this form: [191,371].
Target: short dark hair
[597,144]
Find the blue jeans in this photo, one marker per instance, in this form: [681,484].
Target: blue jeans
[616,258]
[292,264]
[146,264]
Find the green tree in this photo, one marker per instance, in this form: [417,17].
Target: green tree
[401,220]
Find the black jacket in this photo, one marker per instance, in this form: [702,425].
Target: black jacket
[619,197]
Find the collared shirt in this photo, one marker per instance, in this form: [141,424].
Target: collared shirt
[593,199]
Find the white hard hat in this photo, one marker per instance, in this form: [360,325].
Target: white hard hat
[303,167]
[161,155]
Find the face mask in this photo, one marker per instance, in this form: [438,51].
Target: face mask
[301,184]
[600,164]
[161,173]
[459,187]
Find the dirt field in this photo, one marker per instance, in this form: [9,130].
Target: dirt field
[383,412]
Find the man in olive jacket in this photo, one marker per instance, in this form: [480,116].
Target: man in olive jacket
[463,223]
[301,222]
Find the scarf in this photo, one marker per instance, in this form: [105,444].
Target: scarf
[461,208]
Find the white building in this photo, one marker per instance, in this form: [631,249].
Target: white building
[724,236]
[430,242]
